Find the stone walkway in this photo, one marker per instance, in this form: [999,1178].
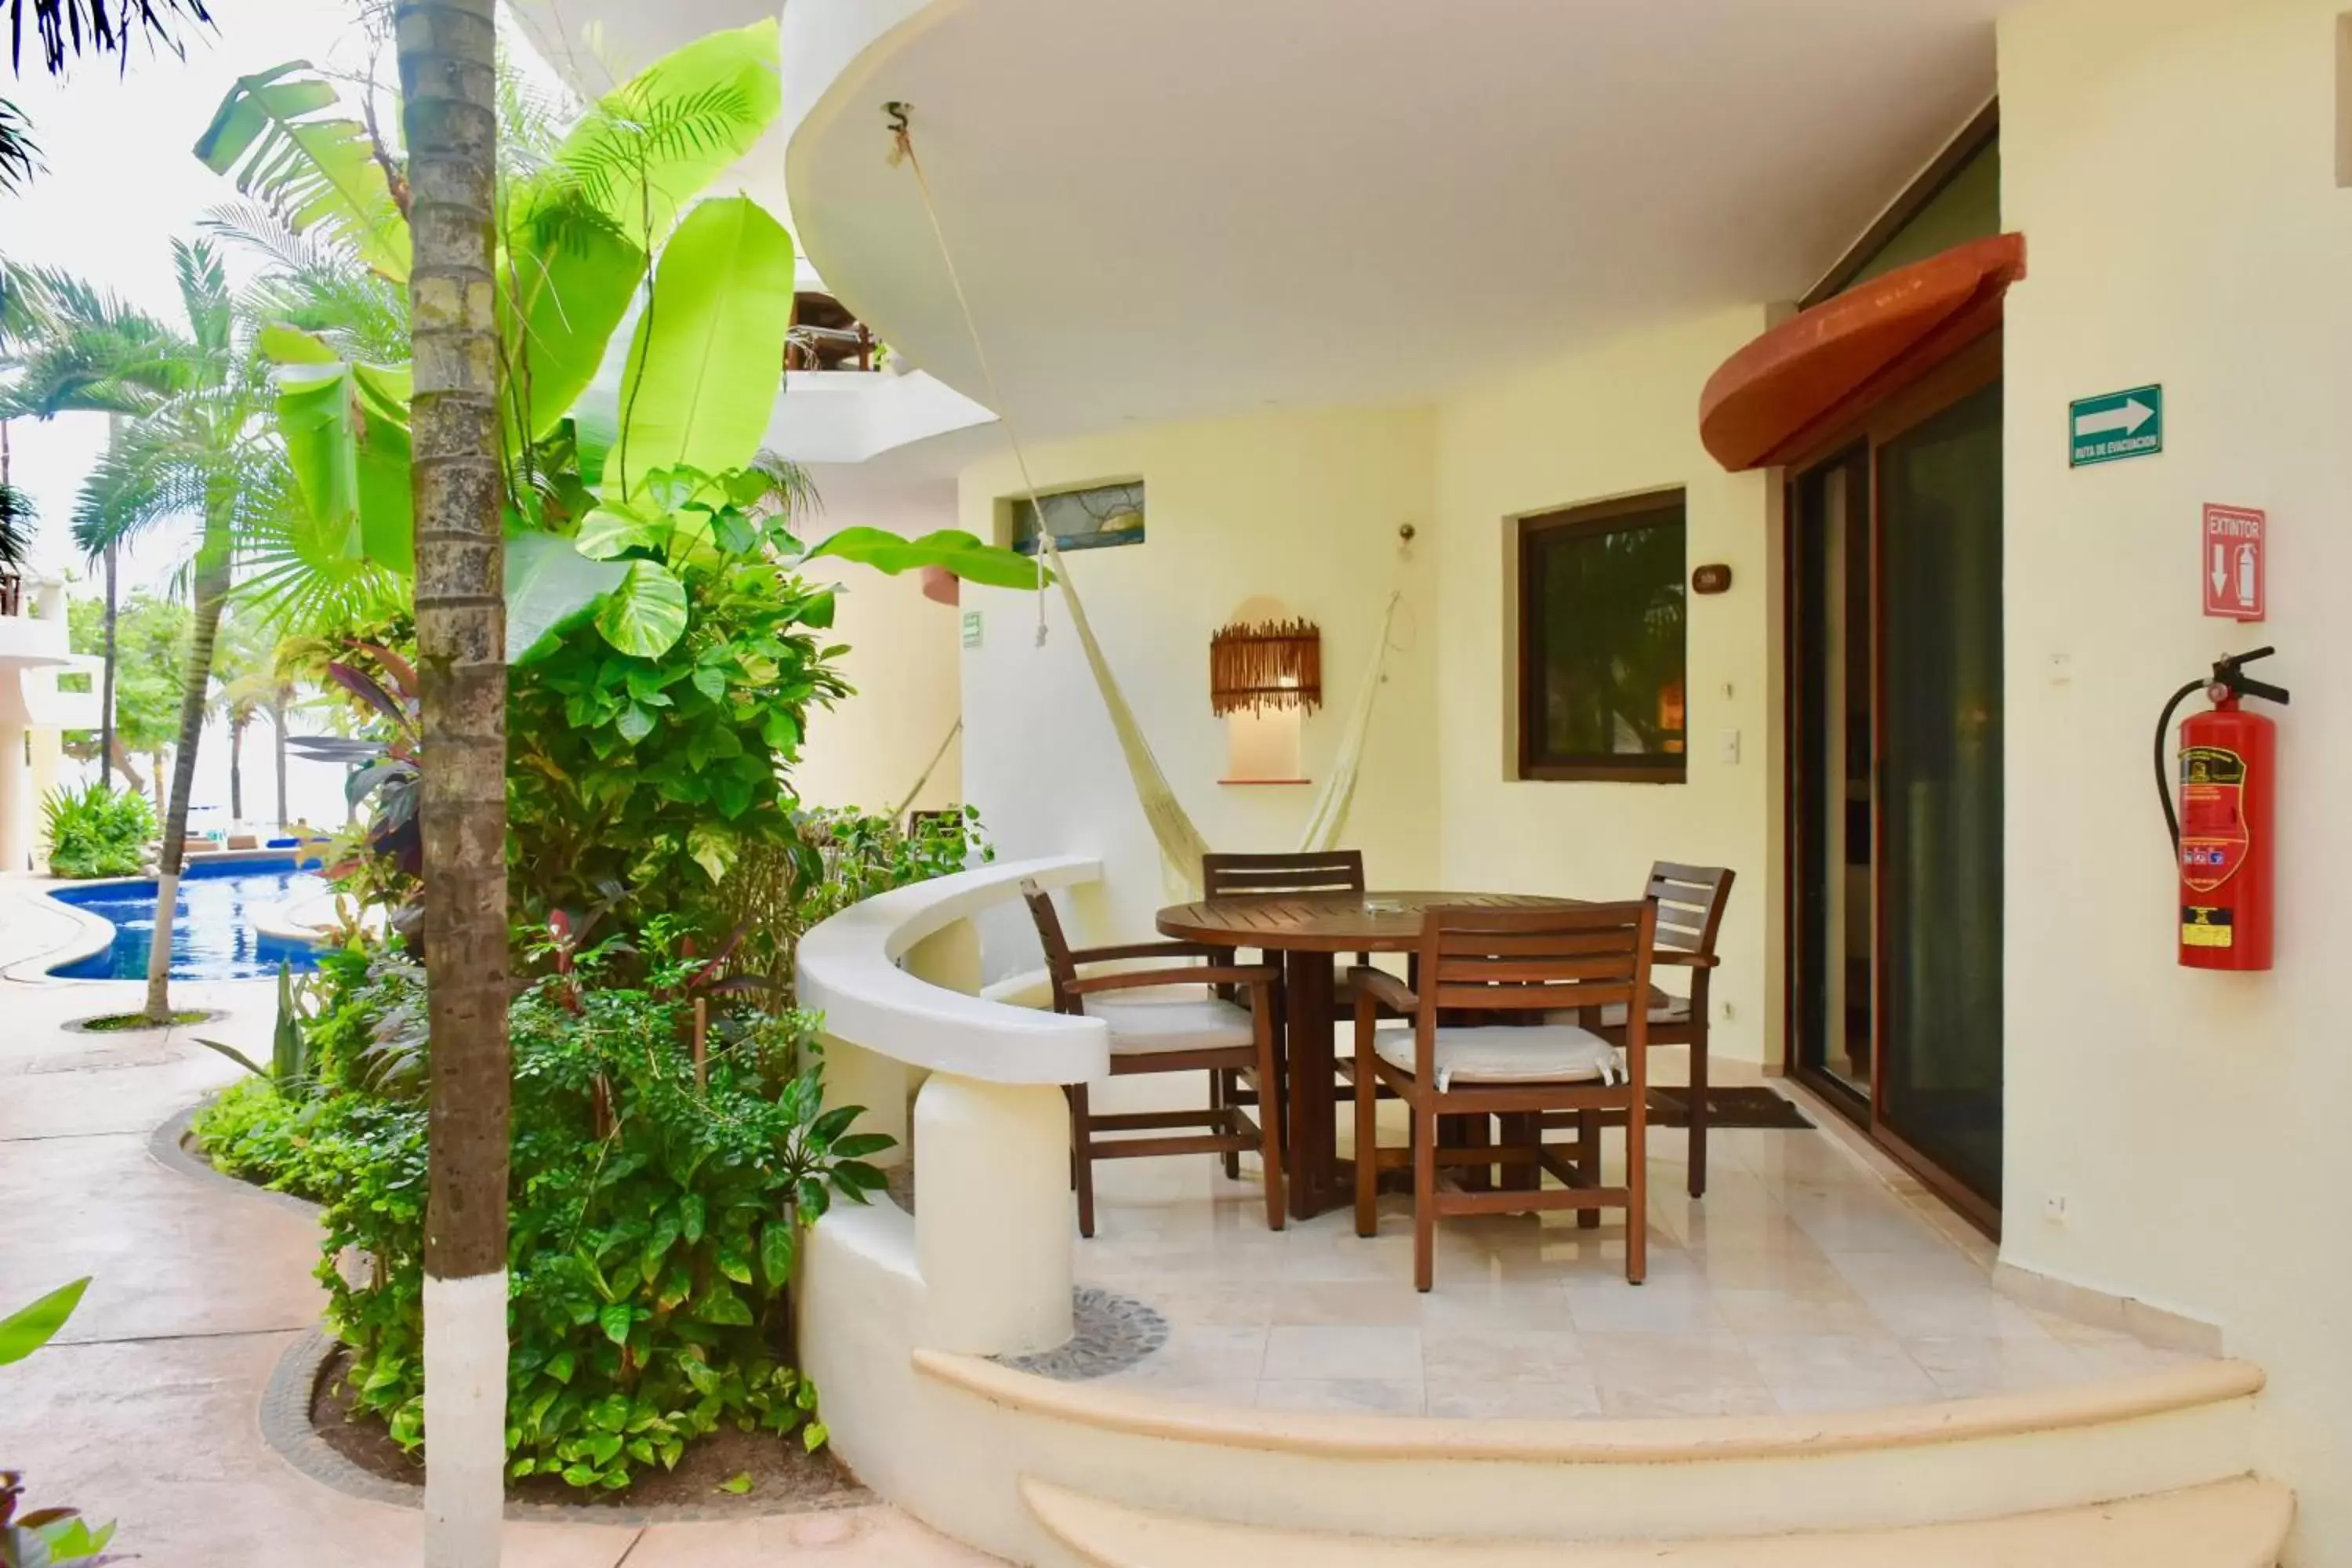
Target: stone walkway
[146,1409]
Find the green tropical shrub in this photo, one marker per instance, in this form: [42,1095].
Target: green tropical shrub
[653,1219]
[95,831]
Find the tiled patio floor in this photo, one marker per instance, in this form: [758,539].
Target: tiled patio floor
[1812,1277]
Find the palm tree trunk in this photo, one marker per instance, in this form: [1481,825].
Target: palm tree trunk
[448,51]
[122,759]
[236,770]
[106,699]
[212,580]
[278,739]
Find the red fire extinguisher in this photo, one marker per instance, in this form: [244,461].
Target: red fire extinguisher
[2223,834]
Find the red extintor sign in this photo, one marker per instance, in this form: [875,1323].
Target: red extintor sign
[2235,540]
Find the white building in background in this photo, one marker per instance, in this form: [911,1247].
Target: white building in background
[45,690]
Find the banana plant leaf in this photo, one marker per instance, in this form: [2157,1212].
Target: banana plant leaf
[550,587]
[708,356]
[960,552]
[274,134]
[346,433]
[568,278]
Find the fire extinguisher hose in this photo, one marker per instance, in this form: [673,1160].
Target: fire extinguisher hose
[2164,774]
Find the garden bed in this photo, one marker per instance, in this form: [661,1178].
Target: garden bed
[726,1474]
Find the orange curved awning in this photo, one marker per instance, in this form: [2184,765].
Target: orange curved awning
[1802,380]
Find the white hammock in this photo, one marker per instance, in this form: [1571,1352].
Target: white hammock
[1181,843]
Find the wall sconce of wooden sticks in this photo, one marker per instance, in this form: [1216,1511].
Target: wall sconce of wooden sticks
[1265,664]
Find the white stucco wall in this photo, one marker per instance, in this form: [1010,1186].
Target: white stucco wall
[1616,421]
[1305,507]
[2171,164]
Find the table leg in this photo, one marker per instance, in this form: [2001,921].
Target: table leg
[1310,1161]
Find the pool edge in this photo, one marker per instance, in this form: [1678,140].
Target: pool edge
[96,933]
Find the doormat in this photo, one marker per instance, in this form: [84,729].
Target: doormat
[1735,1107]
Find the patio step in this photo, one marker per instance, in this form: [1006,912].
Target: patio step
[2237,1524]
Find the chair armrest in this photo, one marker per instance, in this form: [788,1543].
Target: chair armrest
[1146,949]
[1136,979]
[1687,960]
[1380,985]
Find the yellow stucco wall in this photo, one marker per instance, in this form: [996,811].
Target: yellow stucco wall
[902,661]
[1616,421]
[2172,165]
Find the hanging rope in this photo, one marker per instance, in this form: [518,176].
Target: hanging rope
[899,813]
[1328,816]
[1181,843]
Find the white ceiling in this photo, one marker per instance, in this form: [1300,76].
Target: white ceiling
[1169,208]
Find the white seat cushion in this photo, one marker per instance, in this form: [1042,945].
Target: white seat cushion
[1546,1053]
[1171,1018]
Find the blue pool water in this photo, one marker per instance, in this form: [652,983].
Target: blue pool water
[213,936]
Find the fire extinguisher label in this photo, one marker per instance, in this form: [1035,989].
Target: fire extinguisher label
[2214,836]
[2202,925]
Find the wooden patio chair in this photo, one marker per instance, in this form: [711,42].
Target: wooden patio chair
[1690,900]
[1246,875]
[1509,961]
[1167,1019]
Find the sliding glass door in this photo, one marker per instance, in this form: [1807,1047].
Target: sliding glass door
[1894,831]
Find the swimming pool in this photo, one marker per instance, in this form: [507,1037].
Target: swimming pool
[212,932]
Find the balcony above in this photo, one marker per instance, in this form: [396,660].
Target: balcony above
[32,622]
[1171,211]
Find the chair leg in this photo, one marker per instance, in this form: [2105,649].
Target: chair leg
[1269,1126]
[1698,1112]
[1082,1149]
[1588,1163]
[1425,1198]
[1222,1098]
[1368,1150]
[1637,1188]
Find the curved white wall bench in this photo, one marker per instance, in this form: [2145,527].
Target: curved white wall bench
[983,1266]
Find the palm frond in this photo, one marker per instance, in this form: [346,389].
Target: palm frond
[20,155]
[141,481]
[634,127]
[16,526]
[70,28]
[792,490]
[204,294]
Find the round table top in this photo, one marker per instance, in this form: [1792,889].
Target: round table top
[1377,922]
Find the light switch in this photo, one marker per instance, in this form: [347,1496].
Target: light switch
[1727,747]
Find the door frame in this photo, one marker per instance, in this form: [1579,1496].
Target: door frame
[1969,369]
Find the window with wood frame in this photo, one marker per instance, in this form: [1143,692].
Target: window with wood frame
[1600,651]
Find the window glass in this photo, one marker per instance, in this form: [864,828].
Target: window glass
[1602,605]
[1089,518]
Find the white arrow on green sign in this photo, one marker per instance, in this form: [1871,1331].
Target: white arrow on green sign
[2116,425]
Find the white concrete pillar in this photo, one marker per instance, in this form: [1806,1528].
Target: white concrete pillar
[884,1087]
[993,1223]
[48,747]
[15,801]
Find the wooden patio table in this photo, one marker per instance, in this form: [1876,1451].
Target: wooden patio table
[1309,930]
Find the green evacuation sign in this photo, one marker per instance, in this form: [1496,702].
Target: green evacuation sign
[2115,425]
